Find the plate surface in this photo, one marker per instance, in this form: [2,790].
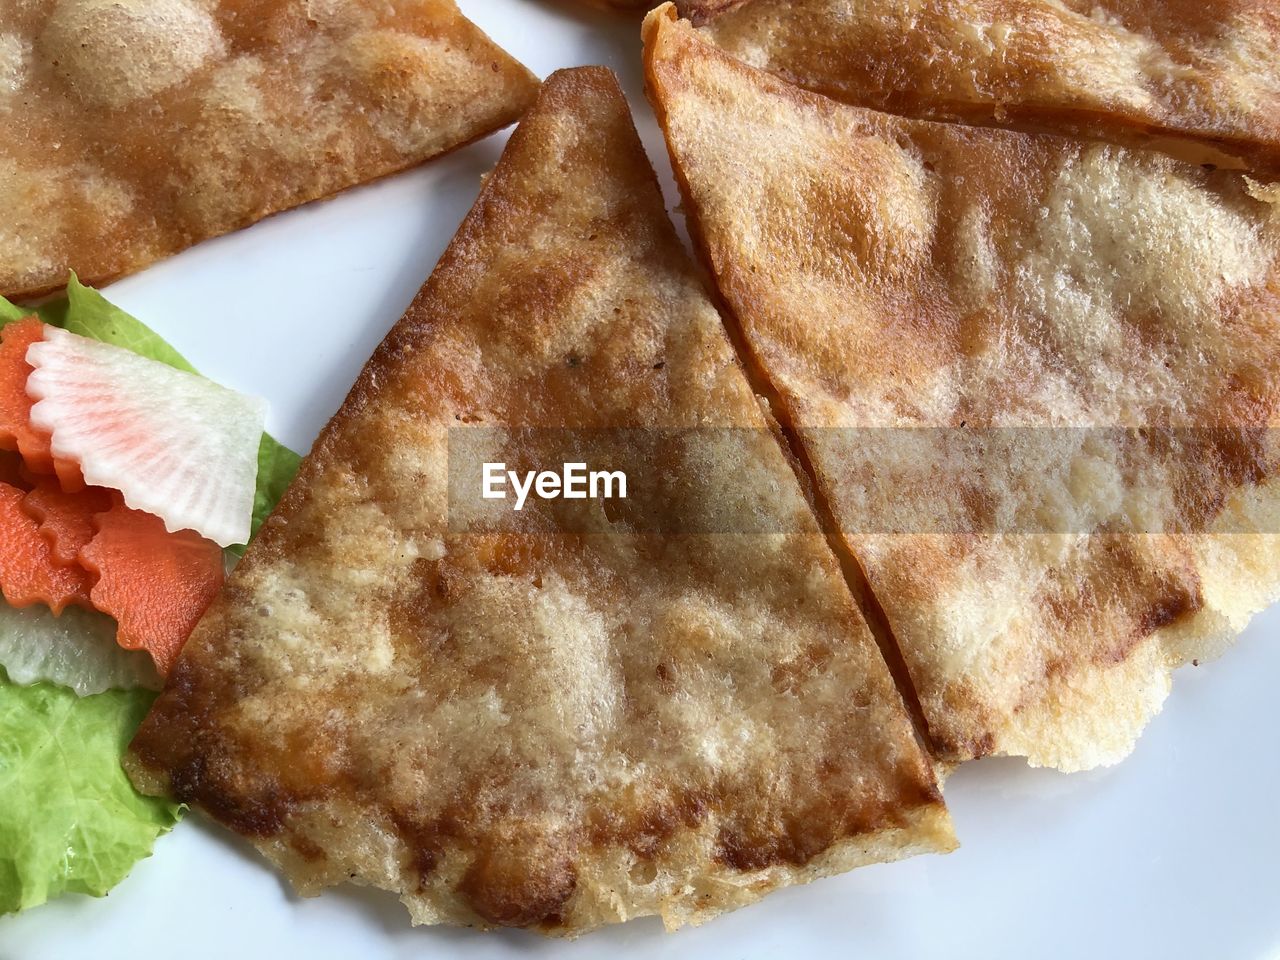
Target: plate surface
[1173,854]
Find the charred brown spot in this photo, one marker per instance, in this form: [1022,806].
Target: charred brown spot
[1208,465]
[1168,608]
[961,725]
[412,613]
[424,850]
[175,737]
[259,813]
[825,806]
[306,848]
[515,886]
[667,676]
[1159,588]
[644,827]
[980,506]
[803,838]
[983,745]
[796,837]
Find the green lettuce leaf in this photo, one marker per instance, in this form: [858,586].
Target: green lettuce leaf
[52,312]
[277,466]
[89,314]
[71,820]
[85,311]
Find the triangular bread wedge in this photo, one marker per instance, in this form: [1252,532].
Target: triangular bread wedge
[1113,68]
[1023,295]
[136,128]
[555,728]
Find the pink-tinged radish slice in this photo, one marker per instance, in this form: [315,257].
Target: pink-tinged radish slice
[174,444]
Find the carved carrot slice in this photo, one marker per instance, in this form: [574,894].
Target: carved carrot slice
[66,519]
[156,584]
[28,574]
[12,471]
[16,430]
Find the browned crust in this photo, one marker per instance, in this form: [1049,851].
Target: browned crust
[779,412]
[250,123]
[102,280]
[874,70]
[497,826]
[700,12]
[1102,633]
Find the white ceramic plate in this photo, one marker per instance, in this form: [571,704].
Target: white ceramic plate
[1174,854]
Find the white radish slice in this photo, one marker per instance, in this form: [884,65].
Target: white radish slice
[175,444]
[77,649]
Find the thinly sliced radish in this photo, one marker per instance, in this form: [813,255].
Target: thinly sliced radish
[77,650]
[175,444]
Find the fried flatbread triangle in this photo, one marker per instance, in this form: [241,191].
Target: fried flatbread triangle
[547,729]
[1115,68]
[890,273]
[136,128]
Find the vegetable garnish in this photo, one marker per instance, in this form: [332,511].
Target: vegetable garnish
[87,312]
[72,821]
[184,447]
[76,649]
[11,470]
[155,583]
[28,574]
[66,519]
[16,430]
[172,444]
[175,444]
[87,548]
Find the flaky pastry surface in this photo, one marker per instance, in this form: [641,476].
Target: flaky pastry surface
[136,128]
[891,273]
[1184,68]
[535,728]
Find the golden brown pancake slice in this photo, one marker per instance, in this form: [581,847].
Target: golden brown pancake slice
[1025,296]
[555,726]
[136,128]
[1205,69]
